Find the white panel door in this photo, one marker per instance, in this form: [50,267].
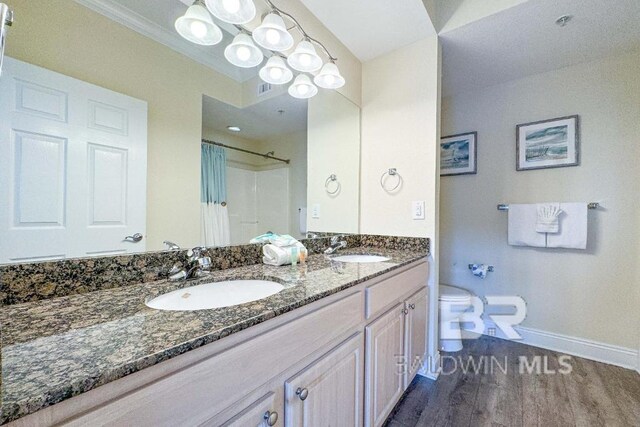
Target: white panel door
[73,160]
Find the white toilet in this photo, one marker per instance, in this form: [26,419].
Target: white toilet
[452,303]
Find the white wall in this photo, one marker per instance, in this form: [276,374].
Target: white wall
[592,294]
[400,130]
[333,149]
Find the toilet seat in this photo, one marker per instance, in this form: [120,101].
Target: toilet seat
[453,294]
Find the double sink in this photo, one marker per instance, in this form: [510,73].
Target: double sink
[233,292]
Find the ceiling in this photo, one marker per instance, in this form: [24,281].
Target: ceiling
[370,28]
[524,40]
[259,121]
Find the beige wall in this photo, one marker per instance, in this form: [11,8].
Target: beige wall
[334,148]
[592,294]
[400,130]
[68,38]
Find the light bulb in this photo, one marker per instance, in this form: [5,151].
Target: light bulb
[275,73]
[231,6]
[329,79]
[243,53]
[303,89]
[305,59]
[273,36]
[198,29]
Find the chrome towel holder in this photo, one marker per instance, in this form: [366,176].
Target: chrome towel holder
[391,172]
[332,178]
[591,205]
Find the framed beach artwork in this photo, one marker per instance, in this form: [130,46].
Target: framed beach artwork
[458,154]
[553,143]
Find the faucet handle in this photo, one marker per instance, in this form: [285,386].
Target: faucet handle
[334,240]
[195,253]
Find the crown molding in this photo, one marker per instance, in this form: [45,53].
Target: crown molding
[138,23]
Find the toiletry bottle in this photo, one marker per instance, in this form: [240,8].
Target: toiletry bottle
[294,256]
[303,255]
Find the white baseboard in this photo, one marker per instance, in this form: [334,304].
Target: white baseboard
[588,349]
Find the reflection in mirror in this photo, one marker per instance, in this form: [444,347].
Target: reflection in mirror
[101,128]
[262,159]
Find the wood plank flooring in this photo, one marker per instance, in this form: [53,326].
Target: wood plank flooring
[496,393]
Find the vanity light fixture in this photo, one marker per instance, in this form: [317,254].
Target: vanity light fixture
[275,71]
[272,34]
[197,26]
[242,52]
[329,77]
[233,128]
[302,87]
[305,58]
[232,11]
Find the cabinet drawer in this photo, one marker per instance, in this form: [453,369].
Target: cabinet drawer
[387,292]
[199,392]
[267,411]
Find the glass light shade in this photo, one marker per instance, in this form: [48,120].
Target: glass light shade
[305,58]
[272,34]
[302,87]
[197,26]
[329,77]
[232,11]
[243,53]
[275,71]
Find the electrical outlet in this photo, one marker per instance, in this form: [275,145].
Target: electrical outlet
[417,209]
[315,211]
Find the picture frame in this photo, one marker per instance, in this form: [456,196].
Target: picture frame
[546,144]
[459,154]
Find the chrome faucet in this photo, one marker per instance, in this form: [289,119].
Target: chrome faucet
[335,245]
[171,246]
[197,266]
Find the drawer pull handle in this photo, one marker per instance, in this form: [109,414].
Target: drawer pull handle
[412,306]
[302,393]
[271,418]
[405,311]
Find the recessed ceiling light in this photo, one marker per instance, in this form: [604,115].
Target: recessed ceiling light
[563,20]
[233,128]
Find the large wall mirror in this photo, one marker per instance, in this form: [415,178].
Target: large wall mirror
[117,135]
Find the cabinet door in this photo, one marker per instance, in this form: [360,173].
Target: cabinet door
[266,411]
[329,391]
[416,334]
[384,369]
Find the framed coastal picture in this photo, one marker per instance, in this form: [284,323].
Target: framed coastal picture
[458,154]
[553,143]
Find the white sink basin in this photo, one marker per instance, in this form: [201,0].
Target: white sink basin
[215,295]
[361,258]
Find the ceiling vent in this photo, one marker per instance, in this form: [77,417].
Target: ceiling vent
[264,88]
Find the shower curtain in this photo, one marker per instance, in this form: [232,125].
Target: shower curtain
[213,196]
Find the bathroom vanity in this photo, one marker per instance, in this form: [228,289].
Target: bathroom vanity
[337,346]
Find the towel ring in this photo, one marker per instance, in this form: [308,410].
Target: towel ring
[327,184]
[391,172]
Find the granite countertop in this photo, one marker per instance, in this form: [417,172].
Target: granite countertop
[58,348]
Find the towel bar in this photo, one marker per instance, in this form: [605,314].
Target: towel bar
[592,205]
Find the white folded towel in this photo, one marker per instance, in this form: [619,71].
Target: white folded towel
[280,255]
[547,220]
[573,227]
[522,226]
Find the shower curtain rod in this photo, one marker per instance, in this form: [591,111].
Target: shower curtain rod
[266,156]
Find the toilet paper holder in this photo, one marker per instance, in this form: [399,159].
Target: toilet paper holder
[489,268]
